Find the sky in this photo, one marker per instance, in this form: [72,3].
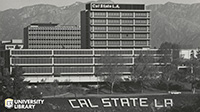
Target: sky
[16,4]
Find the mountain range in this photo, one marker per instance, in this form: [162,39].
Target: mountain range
[170,22]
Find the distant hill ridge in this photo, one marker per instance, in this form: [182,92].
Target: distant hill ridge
[171,22]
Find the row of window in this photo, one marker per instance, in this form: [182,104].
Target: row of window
[57,69]
[73,60]
[70,52]
[46,42]
[79,52]
[117,35]
[54,47]
[53,38]
[118,21]
[53,35]
[118,28]
[119,14]
[73,52]
[101,52]
[52,30]
[38,52]
[86,52]
[43,32]
[115,42]
[72,69]
[81,60]
[37,69]
[31,60]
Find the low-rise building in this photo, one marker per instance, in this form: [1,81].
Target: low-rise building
[11,44]
[72,65]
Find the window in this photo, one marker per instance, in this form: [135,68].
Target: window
[127,21]
[113,42]
[100,35]
[113,28]
[99,42]
[141,28]
[118,52]
[15,52]
[72,60]
[58,52]
[141,14]
[127,28]
[127,14]
[99,21]
[37,69]
[127,42]
[73,69]
[140,21]
[140,42]
[140,36]
[113,14]
[99,28]
[99,14]
[113,21]
[127,35]
[113,35]
[31,61]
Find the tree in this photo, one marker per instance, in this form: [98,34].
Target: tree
[143,70]
[19,85]
[194,75]
[6,88]
[198,54]
[55,86]
[167,48]
[75,89]
[169,74]
[111,69]
[13,85]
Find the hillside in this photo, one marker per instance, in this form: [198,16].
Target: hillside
[171,22]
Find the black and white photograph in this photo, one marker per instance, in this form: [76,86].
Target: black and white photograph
[99,55]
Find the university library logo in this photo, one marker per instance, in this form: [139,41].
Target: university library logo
[9,103]
[22,103]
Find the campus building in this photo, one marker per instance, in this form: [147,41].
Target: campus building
[52,36]
[11,44]
[115,26]
[73,65]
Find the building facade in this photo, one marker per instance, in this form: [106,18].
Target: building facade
[115,26]
[72,65]
[52,36]
[11,44]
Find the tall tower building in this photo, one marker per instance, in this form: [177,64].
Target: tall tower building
[52,36]
[115,26]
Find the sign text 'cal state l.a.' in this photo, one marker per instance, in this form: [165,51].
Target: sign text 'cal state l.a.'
[119,102]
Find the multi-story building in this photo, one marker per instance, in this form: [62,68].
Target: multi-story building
[72,65]
[115,26]
[11,44]
[52,36]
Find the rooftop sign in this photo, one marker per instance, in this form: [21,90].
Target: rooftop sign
[105,6]
[108,6]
